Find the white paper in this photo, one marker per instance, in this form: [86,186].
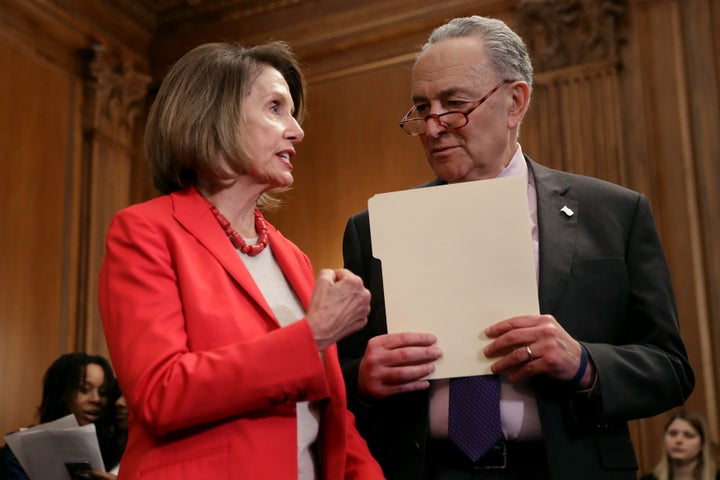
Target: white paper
[455,260]
[14,439]
[44,449]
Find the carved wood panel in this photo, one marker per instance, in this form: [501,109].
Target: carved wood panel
[115,95]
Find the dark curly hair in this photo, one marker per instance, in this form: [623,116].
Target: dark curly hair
[63,380]
[61,383]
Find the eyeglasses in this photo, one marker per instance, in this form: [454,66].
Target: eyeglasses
[451,120]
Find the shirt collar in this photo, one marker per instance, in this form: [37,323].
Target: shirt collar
[516,167]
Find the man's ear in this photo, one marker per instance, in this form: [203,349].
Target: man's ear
[520,92]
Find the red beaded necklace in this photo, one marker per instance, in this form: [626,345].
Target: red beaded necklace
[236,239]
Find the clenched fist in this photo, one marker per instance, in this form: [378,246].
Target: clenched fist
[339,306]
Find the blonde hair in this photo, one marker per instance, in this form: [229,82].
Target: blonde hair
[195,125]
[706,468]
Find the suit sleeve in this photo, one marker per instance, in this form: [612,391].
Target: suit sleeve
[647,372]
[10,467]
[352,349]
[171,385]
[356,462]
[357,255]
[360,464]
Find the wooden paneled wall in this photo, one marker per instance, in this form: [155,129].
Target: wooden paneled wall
[69,100]
[39,223]
[626,90]
[671,118]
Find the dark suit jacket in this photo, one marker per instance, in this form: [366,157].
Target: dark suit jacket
[10,468]
[604,277]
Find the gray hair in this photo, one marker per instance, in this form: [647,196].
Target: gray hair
[506,50]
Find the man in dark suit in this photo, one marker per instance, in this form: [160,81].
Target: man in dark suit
[606,347]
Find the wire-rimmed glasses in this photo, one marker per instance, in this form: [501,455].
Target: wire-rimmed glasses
[451,120]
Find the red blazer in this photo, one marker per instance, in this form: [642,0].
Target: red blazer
[210,377]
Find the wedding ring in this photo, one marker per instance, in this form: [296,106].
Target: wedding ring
[529,352]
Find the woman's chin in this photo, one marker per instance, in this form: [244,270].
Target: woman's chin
[285,181]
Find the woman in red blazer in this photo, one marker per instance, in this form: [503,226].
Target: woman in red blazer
[223,342]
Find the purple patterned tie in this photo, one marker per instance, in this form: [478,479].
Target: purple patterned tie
[474,414]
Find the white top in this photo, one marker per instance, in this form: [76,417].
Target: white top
[287,309]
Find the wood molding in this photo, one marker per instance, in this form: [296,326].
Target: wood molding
[345,35]
[72,26]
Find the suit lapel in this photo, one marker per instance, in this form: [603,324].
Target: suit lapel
[287,259]
[557,230]
[192,212]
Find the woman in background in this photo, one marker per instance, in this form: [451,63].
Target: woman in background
[78,384]
[223,342]
[687,452]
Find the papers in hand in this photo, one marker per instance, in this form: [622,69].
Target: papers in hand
[43,450]
[455,260]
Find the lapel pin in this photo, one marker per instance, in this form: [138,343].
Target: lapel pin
[566,210]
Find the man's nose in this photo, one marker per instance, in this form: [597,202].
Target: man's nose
[434,126]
